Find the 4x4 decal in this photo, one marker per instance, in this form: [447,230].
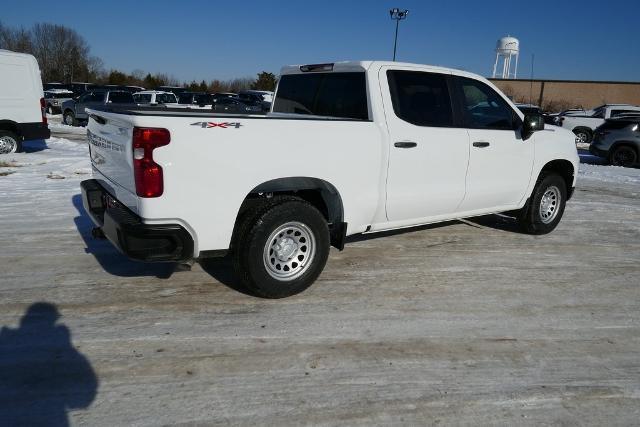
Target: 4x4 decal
[223,125]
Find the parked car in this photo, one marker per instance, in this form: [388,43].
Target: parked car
[73,111]
[196,99]
[221,95]
[133,89]
[236,106]
[351,147]
[584,125]
[53,99]
[260,97]
[56,85]
[155,97]
[618,140]
[529,109]
[78,88]
[22,114]
[177,90]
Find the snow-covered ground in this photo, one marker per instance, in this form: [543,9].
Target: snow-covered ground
[470,323]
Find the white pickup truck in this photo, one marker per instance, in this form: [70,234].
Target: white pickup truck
[352,147]
[584,124]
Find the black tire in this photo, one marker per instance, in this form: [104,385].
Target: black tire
[68,118]
[623,155]
[50,110]
[11,143]
[535,218]
[249,247]
[583,135]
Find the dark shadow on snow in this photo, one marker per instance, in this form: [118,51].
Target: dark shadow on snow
[221,269]
[42,375]
[498,222]
[590,159]
[112,261]
[34,146]
[362,237]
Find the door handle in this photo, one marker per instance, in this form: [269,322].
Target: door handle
[405,144]
[481,144]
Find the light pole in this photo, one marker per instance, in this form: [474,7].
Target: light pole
[398,15]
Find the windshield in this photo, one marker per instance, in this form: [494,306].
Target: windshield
[599,113]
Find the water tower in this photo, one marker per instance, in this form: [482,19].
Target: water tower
[506,49]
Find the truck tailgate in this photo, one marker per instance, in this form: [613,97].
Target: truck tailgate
[109,140]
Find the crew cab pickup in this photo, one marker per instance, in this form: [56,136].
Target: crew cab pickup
[583,125]
[348,148]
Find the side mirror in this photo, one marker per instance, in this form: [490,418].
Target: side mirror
[532,123]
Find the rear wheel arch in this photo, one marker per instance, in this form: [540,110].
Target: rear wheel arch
[319,193]
[10,126]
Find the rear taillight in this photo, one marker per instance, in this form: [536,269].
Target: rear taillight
[43,110]
[148,174]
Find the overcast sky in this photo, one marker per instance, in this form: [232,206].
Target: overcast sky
[593,40]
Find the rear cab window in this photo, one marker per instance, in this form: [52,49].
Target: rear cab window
[339,95]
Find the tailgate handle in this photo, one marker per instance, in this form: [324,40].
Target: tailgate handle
[405,144]
[98,119]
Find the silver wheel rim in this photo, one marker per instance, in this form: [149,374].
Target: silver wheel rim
[68,120]
[581,138]
[8,144]
[289,251]
[549,204]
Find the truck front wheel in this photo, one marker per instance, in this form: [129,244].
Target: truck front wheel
[545,207]
[281,248]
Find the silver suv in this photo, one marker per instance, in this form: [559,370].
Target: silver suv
[618,140]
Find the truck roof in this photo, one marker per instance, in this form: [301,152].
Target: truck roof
[362,66]
[355,66]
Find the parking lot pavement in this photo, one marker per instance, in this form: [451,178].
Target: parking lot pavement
[460,323]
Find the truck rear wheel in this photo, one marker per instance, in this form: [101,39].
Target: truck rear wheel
[280,249]
[545,207]
[9,142]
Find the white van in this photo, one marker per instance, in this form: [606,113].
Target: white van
[22,116]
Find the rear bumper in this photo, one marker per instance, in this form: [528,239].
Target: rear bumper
[126,231]
[37,130]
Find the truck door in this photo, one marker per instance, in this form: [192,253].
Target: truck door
[429,153]
[500,162]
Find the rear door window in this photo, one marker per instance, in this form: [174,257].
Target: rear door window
[340,95]
[421,98]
